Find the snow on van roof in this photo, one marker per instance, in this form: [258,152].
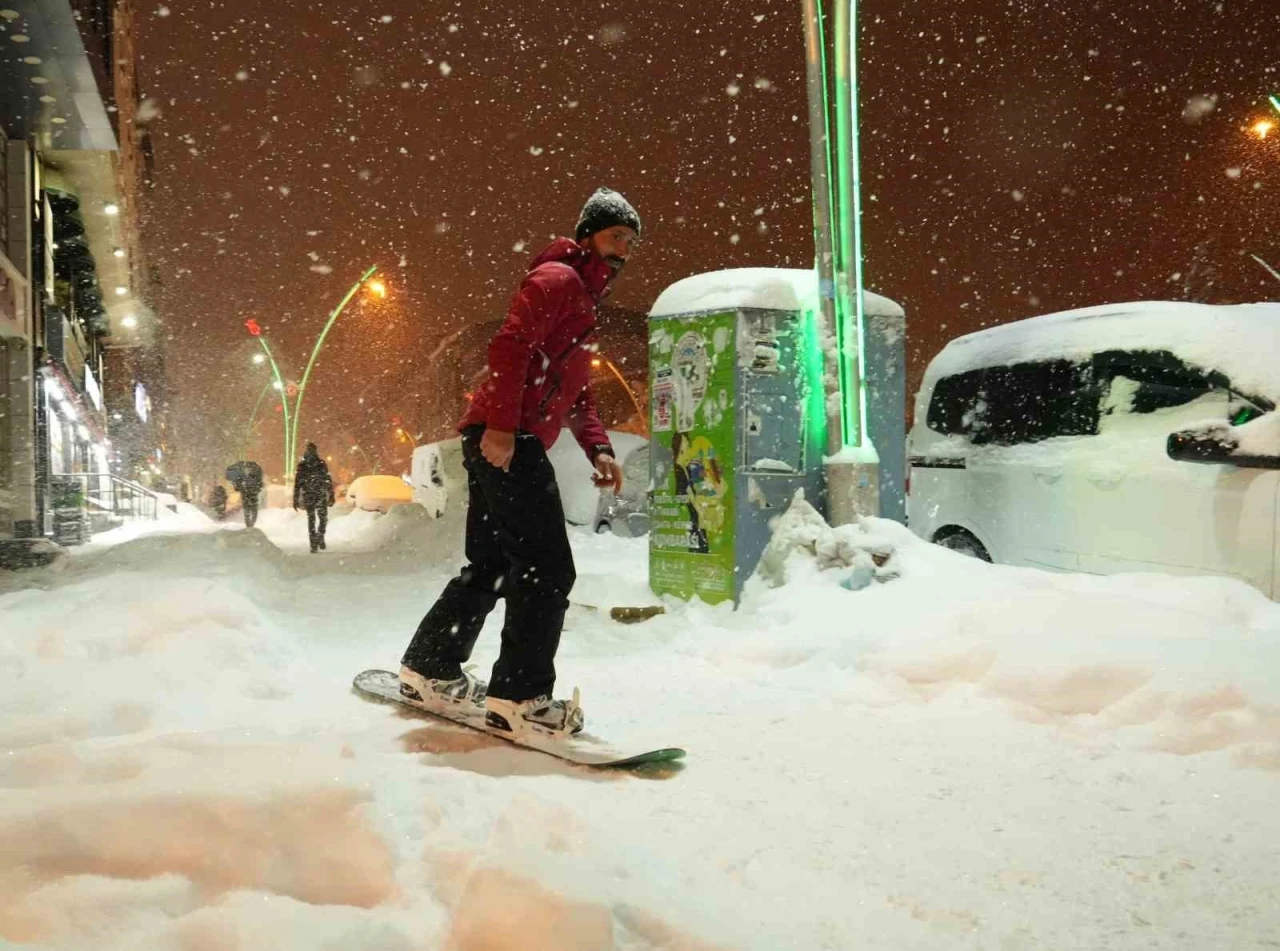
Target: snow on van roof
[765,288]
[1239,340]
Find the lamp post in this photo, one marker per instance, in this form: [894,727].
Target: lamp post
[256,331]
[253,417]
[379,289]
[851,465]
[644,417]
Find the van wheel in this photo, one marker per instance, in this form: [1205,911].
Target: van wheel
[602,528]
[963,541]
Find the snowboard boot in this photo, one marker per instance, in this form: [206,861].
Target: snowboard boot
[463,695]
[539,715]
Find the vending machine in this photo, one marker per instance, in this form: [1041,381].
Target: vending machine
[737,420]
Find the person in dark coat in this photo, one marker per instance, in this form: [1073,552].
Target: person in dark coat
[247,479]
[516,543]
[313,488]
[218,502]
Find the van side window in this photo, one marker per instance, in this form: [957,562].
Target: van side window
[1158,380]
[1018,403]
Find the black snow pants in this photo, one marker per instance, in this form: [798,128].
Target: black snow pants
[518,549]
[317,521]
[249,502]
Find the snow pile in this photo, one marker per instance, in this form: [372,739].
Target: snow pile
[966,757]
[802,532]
[764,288]
[1240,340]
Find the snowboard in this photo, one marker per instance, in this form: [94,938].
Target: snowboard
[583,749]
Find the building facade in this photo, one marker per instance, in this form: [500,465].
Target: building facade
[81,355]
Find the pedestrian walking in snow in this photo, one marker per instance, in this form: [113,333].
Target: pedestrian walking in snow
[516,543]
[246,477]
[313,488]
[218,502]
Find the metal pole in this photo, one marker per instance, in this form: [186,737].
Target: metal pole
[302,387]
[824,254]
[284,400]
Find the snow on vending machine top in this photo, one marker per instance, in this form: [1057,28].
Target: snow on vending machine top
[738,424]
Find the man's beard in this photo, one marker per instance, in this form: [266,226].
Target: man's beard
[614,262]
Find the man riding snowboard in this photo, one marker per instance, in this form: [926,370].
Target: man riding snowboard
[516,542]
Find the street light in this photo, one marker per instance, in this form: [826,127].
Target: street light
[644,417]
[378,288]
[1263,127]
[315,351]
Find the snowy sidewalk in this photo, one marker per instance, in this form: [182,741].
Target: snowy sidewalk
[966,757]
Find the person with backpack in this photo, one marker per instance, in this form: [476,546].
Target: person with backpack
[313,488]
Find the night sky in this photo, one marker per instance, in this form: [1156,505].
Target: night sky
[1018,158]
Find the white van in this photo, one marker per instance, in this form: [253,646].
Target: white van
[1130,437]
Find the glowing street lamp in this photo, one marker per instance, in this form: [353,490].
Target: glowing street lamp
[1263,127]
[644,417]
[378,289]
[337,312]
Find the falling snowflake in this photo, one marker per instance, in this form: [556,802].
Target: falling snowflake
[1199,108]
[518,247]
[763,83]
[386,18]
[242,75]
[535,150]
[1018,194]
[322,268]
[162,11]
[735,238]
[733,89]
[1234,173]
[445,68]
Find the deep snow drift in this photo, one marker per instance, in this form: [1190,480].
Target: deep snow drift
[965,757]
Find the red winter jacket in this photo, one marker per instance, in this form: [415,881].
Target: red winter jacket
[540,361]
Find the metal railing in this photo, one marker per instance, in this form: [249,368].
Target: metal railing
[110,494]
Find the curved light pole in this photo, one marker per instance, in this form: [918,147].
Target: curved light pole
[337,312]
[644,417]
[256,331]
[253,417]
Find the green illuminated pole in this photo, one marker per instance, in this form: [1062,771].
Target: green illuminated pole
[302,387]
[284,399]
[1275,102]
[248,429]
[849,225]
[820,167]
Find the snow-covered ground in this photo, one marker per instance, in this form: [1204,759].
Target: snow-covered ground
[965,757]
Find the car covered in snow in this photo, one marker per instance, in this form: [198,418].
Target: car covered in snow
[1123,438]
[379,493]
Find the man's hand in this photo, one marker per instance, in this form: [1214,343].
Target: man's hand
[498,448]
[608,473]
